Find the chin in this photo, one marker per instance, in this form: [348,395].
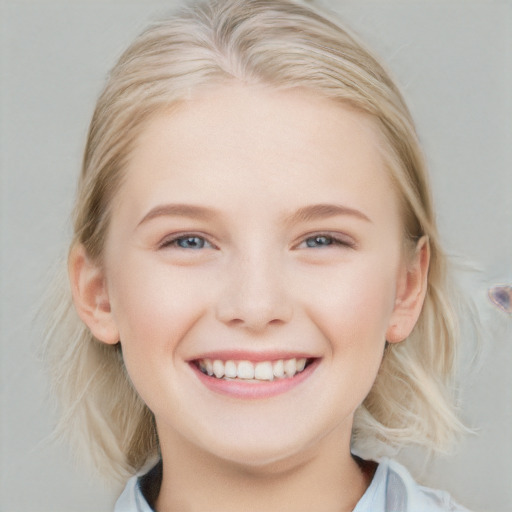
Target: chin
[259,462]
[264,452]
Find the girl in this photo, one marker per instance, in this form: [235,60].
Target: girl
[257,273]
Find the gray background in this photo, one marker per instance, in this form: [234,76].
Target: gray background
[454,61]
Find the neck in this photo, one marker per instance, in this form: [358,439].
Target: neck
[325,478]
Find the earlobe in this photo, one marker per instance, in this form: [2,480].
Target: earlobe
[411,292]
[90,296]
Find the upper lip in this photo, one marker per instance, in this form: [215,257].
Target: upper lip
[243,355]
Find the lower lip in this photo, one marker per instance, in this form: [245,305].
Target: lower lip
[254,390]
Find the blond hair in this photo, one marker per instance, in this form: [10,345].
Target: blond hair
[281,44]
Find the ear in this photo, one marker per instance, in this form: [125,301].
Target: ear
[89,290]
[411,291]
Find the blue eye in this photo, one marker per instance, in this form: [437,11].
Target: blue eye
[193,242]
[320,241]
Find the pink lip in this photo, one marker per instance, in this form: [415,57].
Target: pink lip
[253,390]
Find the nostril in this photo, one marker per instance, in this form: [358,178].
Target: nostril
[253,316]
[254,299]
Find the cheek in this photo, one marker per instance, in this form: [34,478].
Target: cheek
[354,306]
[154,306]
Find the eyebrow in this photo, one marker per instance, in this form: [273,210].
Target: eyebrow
[323,211]
[179,210]
[304,214]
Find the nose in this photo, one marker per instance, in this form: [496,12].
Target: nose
[255,295]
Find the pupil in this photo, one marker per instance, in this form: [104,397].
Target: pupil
[192,242]
[318,240]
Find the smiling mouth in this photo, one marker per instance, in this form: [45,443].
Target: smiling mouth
[247,371]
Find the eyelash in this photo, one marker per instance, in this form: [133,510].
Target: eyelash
[330,240]
[173,242]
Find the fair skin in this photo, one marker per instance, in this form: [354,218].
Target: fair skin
[261,226]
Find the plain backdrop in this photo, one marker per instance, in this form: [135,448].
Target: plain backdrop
[453,60]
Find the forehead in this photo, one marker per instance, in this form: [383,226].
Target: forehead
[275,146]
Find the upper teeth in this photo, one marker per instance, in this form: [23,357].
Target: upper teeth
[247,370]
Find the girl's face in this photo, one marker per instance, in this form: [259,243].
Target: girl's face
[256,232]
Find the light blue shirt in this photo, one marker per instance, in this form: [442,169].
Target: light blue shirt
[392,490]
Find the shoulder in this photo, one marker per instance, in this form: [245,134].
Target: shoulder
[394,490]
